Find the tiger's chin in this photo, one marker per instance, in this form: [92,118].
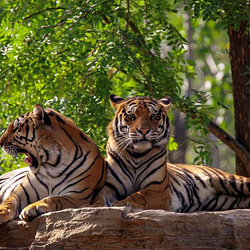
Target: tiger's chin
[141,147]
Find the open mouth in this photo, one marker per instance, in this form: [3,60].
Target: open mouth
[30,159]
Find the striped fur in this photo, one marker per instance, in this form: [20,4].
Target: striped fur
[200,188]
[139,176]
[65,166]
[10,180]
[136,154]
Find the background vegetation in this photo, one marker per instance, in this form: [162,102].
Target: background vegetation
[70,55]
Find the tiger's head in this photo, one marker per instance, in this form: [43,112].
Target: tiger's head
[140,123]
[44,136]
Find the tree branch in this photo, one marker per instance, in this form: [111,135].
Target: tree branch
[41,11]
[232,143]
[227,139]
[60,23]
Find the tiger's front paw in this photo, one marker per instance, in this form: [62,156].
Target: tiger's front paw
[6,214]
[33,210]
[124,203]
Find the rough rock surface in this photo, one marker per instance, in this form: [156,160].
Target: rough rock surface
[122,228]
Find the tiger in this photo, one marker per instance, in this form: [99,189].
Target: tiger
[65,167]
[9,181]
[139,176]
[136,154]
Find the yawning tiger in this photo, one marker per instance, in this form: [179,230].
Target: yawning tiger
[65,166]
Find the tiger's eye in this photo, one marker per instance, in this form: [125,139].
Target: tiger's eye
[155,117]
[132,117]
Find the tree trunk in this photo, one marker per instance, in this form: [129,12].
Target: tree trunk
[240,63]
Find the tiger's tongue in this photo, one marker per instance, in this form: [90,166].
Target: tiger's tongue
[28,159]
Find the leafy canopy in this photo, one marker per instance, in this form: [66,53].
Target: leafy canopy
[70,55]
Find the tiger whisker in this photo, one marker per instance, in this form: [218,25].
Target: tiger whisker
[122,151]
[15,149]
[161,142]
[123,145]
[11,149]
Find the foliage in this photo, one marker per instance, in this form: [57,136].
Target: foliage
[228,13]
[208,48]
[70,55]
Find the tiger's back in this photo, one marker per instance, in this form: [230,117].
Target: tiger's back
[201,188]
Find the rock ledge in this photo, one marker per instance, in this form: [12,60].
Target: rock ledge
[123,228]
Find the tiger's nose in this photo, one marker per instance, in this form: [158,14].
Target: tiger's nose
[143,131]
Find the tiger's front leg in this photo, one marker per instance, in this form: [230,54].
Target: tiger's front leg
[104,198]
[149,198]
[8,209]
[49,204]
[11,206]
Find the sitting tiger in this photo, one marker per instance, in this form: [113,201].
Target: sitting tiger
[65,166]
[138,174]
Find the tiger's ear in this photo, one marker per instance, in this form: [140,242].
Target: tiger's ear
[115,100]
[166,102]
[40,116]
